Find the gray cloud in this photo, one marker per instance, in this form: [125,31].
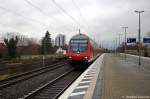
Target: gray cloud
[100,19]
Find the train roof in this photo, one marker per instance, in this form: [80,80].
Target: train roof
[80,36]
[83,36]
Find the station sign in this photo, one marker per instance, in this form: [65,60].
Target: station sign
[146,40]
[131,40]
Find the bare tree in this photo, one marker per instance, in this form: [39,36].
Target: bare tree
[25,44]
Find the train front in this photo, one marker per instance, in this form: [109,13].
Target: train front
[79,49]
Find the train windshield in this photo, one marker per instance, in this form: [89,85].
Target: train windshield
[79,46]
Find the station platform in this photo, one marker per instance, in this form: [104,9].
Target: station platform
[110,77]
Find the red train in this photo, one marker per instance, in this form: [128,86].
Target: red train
[82,49]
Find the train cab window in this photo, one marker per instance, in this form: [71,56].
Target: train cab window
[74,47]
[79,46]
[82,47]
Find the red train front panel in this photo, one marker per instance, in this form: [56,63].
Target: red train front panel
[80,50]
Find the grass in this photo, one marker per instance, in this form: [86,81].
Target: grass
[25,59]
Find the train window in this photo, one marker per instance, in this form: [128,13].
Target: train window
[78,41]
[74,47]
[79,46]
[82,47]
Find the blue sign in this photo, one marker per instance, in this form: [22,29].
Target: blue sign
[131,40]
[146,40]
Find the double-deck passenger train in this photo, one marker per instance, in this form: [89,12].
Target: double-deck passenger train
[82,49]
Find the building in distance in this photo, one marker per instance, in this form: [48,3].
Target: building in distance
[60,40]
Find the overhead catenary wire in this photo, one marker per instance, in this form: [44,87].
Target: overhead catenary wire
[37,8]
[83,19]
[58,10]
[18,14]
[41,11]
[58,6]
[66,13]
[87,26]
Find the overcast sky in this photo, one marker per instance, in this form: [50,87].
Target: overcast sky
[100,19]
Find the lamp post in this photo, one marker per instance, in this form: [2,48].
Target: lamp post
[125,40]
[116,45]
[139,35]
[119,44]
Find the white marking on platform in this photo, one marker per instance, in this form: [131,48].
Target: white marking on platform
[80,87]
[78,93]
[87,78]
[92,72]
[88,75]
[84,82]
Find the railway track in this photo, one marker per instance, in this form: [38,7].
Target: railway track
[17,86]
[24,76]
[55,87]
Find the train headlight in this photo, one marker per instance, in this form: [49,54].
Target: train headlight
[86,57]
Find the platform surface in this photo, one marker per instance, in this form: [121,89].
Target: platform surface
[124,79]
